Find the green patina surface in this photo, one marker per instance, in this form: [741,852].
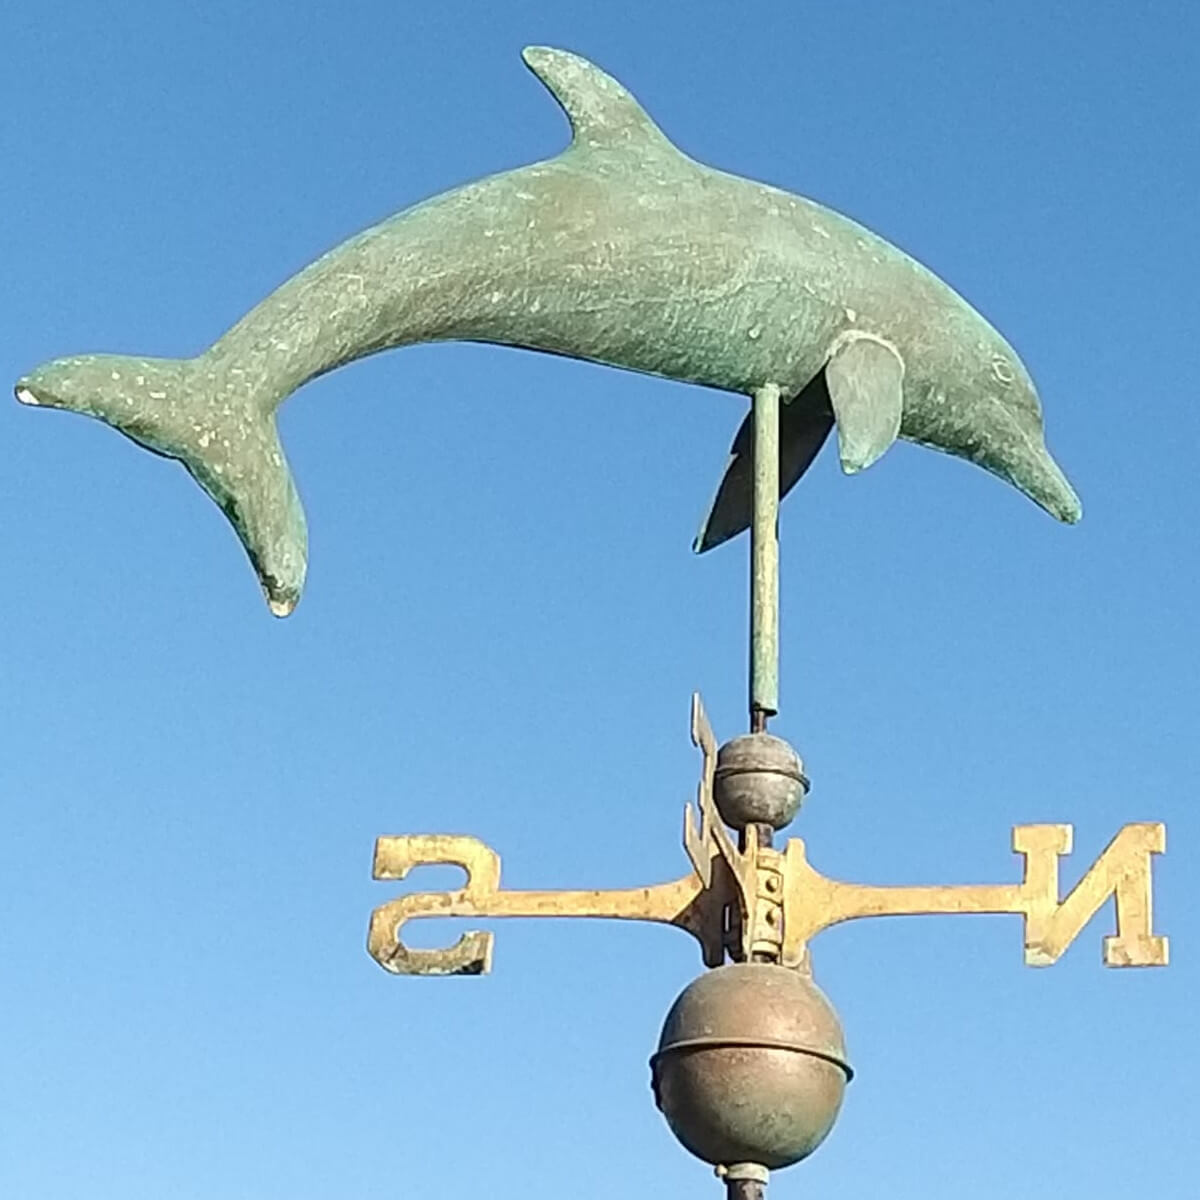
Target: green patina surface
[620,250]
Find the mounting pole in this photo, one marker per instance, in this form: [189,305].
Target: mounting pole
[745,1181]
[764,560]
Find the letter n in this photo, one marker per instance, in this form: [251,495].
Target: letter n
[1122,871]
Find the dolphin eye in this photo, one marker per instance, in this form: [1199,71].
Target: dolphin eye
[1002,370]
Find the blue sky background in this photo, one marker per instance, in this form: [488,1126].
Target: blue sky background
[504,622]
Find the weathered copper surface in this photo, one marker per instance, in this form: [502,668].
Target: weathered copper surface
[764,557]
[621,250]
[759,780]
[751,1066]
[776,901]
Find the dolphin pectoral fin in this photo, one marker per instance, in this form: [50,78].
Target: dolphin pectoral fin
[865,377]
[804,424]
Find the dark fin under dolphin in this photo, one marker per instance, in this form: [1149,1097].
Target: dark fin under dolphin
[223,435]
[865,378]
[804,423]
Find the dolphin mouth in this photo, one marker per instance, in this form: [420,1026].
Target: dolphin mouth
[1071,513]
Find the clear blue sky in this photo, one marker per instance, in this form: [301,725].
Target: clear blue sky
[504,621]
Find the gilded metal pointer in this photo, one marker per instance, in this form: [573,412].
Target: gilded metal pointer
[779,902]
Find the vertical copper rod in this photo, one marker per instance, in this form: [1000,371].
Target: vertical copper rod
[764,560]
[764,616]
[745,1181]
[745,1189]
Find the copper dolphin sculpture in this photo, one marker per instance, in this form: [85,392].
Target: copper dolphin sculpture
[620,250]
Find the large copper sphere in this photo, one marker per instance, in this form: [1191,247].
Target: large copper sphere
[751,1066]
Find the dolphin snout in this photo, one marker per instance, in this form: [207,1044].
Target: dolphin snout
[1070,510]
[1048,487]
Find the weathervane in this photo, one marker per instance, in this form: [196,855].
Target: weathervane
[624,251]
[751,1065]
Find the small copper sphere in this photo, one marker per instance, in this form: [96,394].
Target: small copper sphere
[759,780]
[751,1066]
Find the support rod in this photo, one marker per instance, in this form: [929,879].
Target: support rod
[745,1181]
[764,560]
[745,1189]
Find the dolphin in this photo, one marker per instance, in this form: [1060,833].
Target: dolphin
[620,250]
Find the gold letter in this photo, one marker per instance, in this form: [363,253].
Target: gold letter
[394,858]
[1122,871]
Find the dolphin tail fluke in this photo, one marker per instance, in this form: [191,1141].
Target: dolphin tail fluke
[222,433]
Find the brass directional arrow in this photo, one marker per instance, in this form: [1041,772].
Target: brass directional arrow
[768,904]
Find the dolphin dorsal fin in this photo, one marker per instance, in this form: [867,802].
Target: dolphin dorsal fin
[603,114]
